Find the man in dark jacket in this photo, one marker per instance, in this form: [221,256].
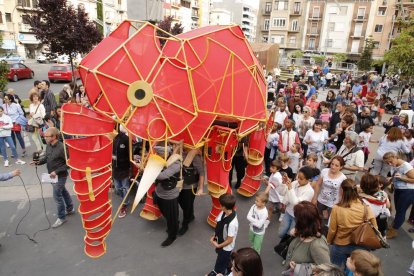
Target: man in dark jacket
[48,98]
[121,167]
[56,166]
[364,117]
[336,117]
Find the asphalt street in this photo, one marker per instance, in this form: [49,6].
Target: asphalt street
[22,87]
[133,247]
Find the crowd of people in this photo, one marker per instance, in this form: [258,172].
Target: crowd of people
[319,184]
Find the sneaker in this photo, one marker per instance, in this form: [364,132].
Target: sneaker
[6,163]
[70,211]
[281,217]
[392,233]
[20,162]
[58,223]
[122,213]
[167,242]
[24,153]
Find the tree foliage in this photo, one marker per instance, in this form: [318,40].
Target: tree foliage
[165,25]
[4,70]
[296,54]
[318,59]
[65,29]
[340,57]
[401,55]
[365,62]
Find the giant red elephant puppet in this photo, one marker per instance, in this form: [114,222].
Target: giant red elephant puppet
[204,88]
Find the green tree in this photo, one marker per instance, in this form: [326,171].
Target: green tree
[340,57]
[365,62]
[318,59]
[4,70]
[63,28]
[296,54]
[400,57]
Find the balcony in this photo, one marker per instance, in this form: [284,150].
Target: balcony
[296,13]
[176,5]
[267,11]
[24,28]
[407,2]
[294,30]
[264,29]
[360,18]
[357,35]
[292,45]
[194,15]
[315,17]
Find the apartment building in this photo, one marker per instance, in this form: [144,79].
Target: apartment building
[328,26]
[241,13]
[187,12]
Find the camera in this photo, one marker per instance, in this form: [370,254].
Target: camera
[36,157]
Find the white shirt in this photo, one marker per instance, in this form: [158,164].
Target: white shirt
[232,231]
[329,191]
[280,117]
[294,161]
[304,125]
[38,110]
[257,218]
[353,159]
[275,180]
[410,115]
[317,139]
[295,195]
[364,138]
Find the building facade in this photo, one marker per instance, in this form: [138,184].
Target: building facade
[18,38]
[328,26]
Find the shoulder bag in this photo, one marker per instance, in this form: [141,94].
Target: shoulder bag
[367,235]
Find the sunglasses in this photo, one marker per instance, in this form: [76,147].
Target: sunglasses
[305,111]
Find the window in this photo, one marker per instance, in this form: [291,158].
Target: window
[376,44]
[265,39]
[361,13]
[266,24]
[1,17]
[329,43]
[280,39]
[331,26]
[35,3]
[315,12]
[295,25]
[23,3]
[311,44]
[120,3]
[314,28]
[268,7]
[343,10]
[281,5]
[382,10]
[292,40]
[296,8]
[8,17]
[25,19]
[378,28]
[279,22]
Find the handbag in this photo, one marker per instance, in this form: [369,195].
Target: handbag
[367,235]
[30,128]
[282,248]
[16,127]
[36,121]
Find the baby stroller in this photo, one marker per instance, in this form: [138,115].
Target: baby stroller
[392,106]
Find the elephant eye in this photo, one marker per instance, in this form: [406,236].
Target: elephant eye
[140,93]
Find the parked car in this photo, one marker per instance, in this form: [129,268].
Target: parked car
[12,58]
[19,71]
[41,58]
[61,72]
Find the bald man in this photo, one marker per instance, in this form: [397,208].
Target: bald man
[56,166]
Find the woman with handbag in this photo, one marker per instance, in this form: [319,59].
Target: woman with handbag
[402,176]
[309,246]
[5,136]
[393,141]
[346,217]
[14,111]
[37,113]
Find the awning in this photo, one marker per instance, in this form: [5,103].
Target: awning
[28,39]
[8,44]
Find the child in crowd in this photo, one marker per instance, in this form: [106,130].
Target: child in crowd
[365,139]
[257,217]
[408,134]
[271,146]
[363,263]
[325,115]
[285,160]
[225,233]
[294,157]
[377,199]
[288,137]
[274,181]
[311,161]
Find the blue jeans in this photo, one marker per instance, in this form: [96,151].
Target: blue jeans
[339,253]
[9,141]
[286,225]
[122,187]
[403,199]
[62,197]
[18,134]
